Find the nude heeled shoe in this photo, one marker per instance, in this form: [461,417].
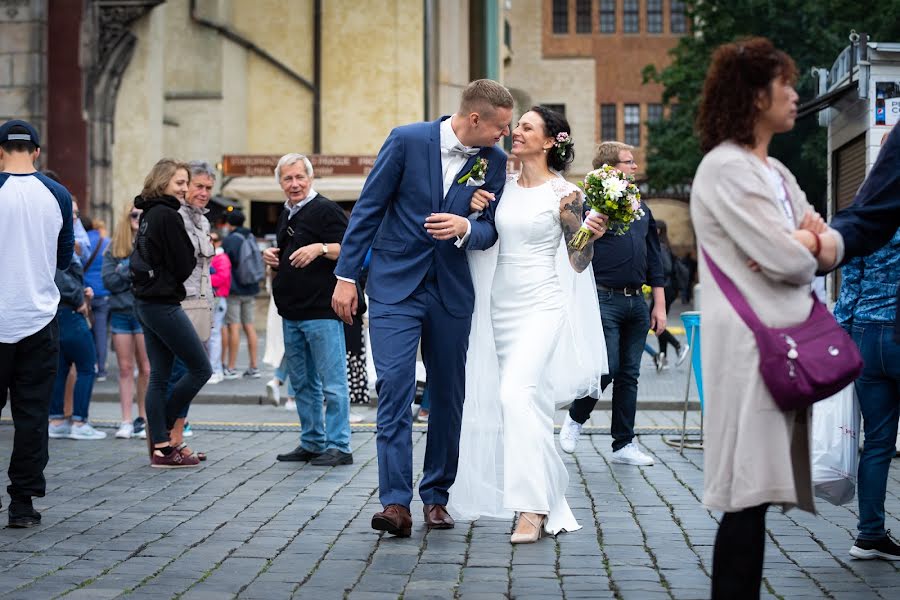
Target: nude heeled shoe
[529,538]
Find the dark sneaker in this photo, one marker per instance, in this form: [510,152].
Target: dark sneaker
[22,515]
[883,548]
[174,460]
[332,458]
[139,425]
[253,373]
[298,454]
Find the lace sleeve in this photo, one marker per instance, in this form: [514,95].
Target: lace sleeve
[563,188]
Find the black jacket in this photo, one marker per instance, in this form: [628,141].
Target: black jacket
[164,245]
[305,294]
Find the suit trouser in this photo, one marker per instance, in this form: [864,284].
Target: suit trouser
[27,371]
[395,331]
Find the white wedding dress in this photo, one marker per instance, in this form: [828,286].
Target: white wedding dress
[536,344]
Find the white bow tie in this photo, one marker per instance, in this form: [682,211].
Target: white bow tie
[463,150]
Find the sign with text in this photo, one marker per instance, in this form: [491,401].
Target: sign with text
[263,165]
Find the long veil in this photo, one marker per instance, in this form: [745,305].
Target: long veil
[578,363]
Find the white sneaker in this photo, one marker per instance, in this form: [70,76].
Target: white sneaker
[356,417]
[569,434]
[125,431]
[682,354]
[216,378]
[86,432]
[631,455]
[273,391]
[290,404]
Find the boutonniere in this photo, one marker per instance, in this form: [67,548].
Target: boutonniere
[475,176]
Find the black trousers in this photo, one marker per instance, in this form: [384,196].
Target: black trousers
[27,372]
[738,554]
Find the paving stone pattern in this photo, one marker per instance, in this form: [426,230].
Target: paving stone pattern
[245,526]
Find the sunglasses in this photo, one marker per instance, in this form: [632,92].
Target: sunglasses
[135,214]
[76,214]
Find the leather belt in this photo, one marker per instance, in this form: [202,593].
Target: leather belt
[625,291]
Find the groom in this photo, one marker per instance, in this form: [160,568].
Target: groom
[412,213]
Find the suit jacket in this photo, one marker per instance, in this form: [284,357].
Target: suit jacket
[404,187]
[870,222]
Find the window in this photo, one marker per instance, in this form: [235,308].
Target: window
[583,16]
[607,16]
[654,16]
[654,113]
[632,17]
[678,20]
[633,124]
[560,108]
[609,130]
[560,16]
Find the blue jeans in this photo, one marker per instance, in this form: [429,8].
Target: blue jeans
[317,366]
[76,345]
[168,334]
[626,320]
[281,374]
[100,308]
[878,390]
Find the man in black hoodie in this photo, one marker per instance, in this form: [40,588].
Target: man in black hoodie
[309,233]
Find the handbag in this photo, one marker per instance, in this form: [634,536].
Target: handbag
[199,311]
[801,364]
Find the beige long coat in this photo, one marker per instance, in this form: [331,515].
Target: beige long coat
[753,452]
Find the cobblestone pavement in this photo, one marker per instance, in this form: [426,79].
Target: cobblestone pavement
[244,525]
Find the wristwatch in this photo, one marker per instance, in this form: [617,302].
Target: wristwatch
[324,249]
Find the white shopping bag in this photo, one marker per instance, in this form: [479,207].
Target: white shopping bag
[835,446]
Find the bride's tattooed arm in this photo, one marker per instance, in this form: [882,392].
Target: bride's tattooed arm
[570,216]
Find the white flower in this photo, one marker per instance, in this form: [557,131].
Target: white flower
[614,186]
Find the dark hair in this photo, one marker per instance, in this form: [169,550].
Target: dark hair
[18,145]
[236,218]
[736,75]
[560,156]
[52,175]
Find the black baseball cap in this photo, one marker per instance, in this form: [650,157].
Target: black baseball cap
[19,131]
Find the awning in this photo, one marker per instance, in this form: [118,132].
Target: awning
[827,99]
[267,189]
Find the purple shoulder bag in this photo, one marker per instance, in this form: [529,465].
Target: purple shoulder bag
[801,364]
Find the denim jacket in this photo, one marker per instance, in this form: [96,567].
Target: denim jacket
[869,287]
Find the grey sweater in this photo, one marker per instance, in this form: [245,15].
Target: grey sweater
[117,279]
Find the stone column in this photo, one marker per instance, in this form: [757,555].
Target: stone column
[23,50]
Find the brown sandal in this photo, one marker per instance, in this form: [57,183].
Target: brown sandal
[201,456]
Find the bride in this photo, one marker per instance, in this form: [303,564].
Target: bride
[536,339]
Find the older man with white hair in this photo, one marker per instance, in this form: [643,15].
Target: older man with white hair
[308,236]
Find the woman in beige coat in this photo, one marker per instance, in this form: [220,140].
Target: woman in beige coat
[751,219]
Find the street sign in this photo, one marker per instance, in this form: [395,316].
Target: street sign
[263,165]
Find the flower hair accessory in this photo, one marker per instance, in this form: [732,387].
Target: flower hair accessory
[562,144]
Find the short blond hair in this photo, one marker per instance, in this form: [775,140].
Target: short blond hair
[483,96]
[608,153]
[158,178]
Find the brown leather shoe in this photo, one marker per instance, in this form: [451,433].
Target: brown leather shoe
[394,519]
[437,517]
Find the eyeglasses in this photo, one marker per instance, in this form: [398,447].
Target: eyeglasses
[76,214]
[627,162]
[135,214]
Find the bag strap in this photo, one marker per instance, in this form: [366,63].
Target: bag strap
[90,261]
[737,300]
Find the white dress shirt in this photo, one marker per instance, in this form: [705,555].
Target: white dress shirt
[293,209]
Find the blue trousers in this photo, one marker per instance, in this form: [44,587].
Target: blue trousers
[76,346]
[395,331]
[626,320]
[878,390]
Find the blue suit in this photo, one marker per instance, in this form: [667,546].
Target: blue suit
[419,289]
[871,221]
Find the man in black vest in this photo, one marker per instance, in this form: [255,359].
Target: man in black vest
[308,237]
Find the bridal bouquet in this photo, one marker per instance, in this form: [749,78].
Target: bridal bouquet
[610,192]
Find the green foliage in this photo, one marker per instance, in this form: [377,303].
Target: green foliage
[813,32]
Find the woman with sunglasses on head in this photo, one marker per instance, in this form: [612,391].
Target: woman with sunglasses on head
[751,217]
[163,259]
[127,334]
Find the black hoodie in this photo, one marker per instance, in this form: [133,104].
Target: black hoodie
[164,245]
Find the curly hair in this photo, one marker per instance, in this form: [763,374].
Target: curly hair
[739,71]
[558,158]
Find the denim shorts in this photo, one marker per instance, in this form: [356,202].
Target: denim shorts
[124,322]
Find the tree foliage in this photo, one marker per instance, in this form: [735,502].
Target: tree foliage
[813,32]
